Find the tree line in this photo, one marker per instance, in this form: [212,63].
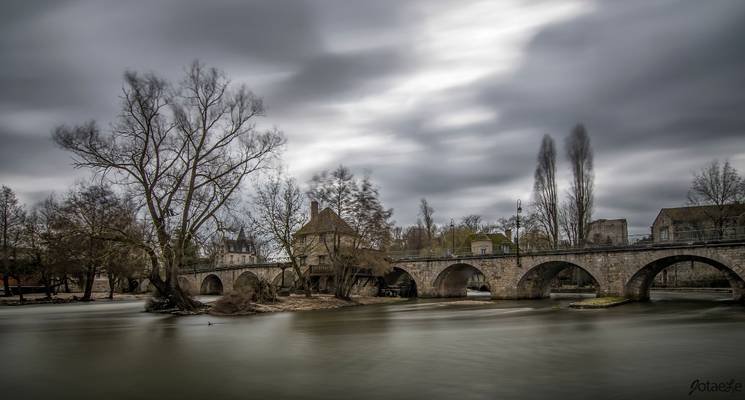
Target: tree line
[64,241]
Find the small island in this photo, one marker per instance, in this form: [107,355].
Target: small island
[600,302]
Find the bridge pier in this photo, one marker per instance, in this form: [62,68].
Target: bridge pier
[427,292]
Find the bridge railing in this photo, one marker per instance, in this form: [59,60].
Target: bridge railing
[676,238]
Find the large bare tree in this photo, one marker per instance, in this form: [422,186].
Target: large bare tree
[718,185]
[580,157]
[280,211]
[183,152]
[545,197]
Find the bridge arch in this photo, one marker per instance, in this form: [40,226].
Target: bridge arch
[535,283]
[637,287]
[246,282]
[287,276]
[211,285]
[453,281]
[399,281]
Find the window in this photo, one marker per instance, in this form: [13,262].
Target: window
[665,233]
[321,260]
[483,251]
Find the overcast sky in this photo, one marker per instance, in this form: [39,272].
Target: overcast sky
[446,100]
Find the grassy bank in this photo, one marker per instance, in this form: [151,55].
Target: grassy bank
[600,302]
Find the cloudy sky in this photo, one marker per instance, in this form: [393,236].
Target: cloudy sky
[446,100]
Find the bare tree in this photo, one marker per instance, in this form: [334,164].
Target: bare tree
[183,153]
[12,217]
[568,222]
[281,211]
[425,213]
[545,198]
[471,223]
[122,262]
[92,216]
[335,189]
[415,236]
[579,154]
[718,185]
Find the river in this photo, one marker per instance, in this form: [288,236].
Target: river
[419,349]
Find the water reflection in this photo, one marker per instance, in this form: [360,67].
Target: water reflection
[418,349]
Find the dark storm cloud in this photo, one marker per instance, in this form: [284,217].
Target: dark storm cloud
[640,75]
[336,77]
[30,155]
[658,84]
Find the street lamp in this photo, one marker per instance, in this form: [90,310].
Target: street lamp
[452,231]
[517,234]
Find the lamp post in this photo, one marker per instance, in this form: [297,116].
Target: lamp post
[517,234]
[452,233]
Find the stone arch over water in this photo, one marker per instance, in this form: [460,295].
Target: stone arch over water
[246,282]
[453,281]
[638,285]
[536,282]
[402,281]
[211,285]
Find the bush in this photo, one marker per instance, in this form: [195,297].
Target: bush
[244,301]
[235,303]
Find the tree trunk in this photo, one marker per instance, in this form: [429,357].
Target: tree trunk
[171,294]
[47,286]
[303,278]
[90,276]
[20,289]
[6,285]
[112,283]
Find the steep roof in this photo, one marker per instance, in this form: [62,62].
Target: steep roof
[326,221]
[702,213]
[242,244]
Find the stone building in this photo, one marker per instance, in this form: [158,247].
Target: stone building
[698,223]
[242,250]
[613,232]
[493,243]
[314,240]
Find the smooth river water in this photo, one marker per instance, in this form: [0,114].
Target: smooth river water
[419,349]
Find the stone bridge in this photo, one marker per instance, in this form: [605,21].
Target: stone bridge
[226,279]
[625,271]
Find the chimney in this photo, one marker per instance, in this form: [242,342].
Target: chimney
[508,233]
[313,210]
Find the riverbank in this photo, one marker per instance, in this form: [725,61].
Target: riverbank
[65,298]
[296,302]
